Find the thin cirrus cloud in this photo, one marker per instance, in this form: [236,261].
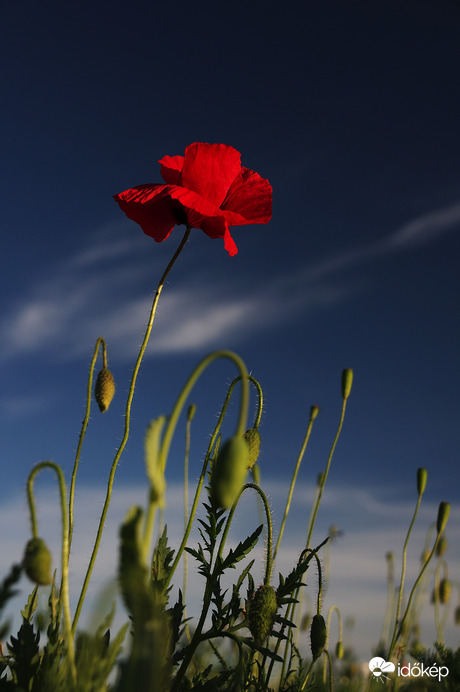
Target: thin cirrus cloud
[85,296]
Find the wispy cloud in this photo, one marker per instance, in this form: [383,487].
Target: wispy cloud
[94,293]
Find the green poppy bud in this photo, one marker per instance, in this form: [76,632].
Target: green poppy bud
[444,591]
[317,636]
[347,381]
[229,471]
[37,562]
[421,480]
[262,612]
[339,650]
[457,616]
[252,437]
[443,515]
[314,412]
[191,412]
[104,390]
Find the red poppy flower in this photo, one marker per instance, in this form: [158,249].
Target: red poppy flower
[207,188]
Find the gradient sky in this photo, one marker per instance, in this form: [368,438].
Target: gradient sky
[352,113]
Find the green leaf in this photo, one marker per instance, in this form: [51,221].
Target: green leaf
[241,550]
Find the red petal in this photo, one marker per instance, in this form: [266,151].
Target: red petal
[249,199]
[210,169]
[151,207]
[171,167]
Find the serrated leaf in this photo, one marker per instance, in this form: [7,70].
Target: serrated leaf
[241,550]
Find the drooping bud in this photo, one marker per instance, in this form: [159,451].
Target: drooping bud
[262,612]
[229,471]
[252,437]
[339,650]
[37,562]
[443,515]
[104,390]
[317,636]
[347,381]
[421,480]
[444,591]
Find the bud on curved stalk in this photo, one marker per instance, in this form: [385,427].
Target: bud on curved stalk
[422,475]
[252,437]
[444,591]
[443,515]
[347,381]
[262,612]
[318,635]
[37,562]
[229,471]
[104,390]
[339,650]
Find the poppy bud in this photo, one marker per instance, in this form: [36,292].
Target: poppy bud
[421,480]
[229,471]
[443,515]
[262,611]
[252,437]
[339,650]
[444,591]
[191,412]
[37,562]
[347,381]
[457,616]
[314,412]
[442,546]
[104,390]
[317,636]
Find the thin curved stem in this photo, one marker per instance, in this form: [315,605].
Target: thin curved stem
[293,482]
[84,426]
[172,423]
[64,595]
[126,428]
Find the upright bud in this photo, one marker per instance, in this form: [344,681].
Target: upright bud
[314,412]
[229,471]
[37,562]
[421,480]
[347,381]
[252,437]
[104,390]
[317,636]
[191,412]
[262,612]
[443,515]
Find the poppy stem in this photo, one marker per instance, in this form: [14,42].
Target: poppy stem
[126,429]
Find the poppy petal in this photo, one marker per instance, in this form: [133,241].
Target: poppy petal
[151,207]
[249,199]
[210,169]
[171,167]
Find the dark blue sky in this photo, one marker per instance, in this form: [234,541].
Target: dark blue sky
[351,110]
